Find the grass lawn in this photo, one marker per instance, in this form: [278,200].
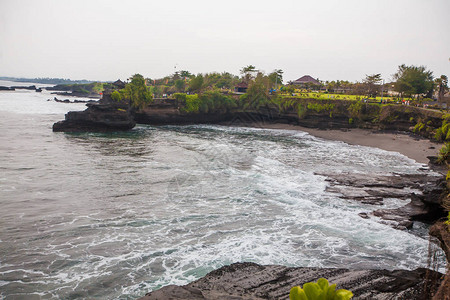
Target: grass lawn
[327,96]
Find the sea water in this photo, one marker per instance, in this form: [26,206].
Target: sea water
[117,215]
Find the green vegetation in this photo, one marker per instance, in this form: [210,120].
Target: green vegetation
[85,88]
[116,96]
[301,110]
[443,133]
[137,92]
[413,80]
[447,222]
[207,102]
[196,83]
[320,290]
[372,83]
[355,109]
[361,103]
[444,154]
[257,93]
[419,127]
[304,94]
[321,107]
[442,87]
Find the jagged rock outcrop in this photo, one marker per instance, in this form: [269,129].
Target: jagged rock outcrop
[31,87]
[98,117]
[440,230]
[78,94]
[423,191]
[253,281]
[73,101]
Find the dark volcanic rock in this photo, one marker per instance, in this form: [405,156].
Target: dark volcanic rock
[31,87]
[73,101]
[423,190]
[98,118]
[441,231]
[6,88]
[78,94]
[253,281]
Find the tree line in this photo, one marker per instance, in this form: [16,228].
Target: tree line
[202,90]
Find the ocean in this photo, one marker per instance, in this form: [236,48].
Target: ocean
[113,216]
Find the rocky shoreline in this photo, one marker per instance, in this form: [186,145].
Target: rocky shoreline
[73,101]
[422,190]
[253,281]
[98,117]
[13,88]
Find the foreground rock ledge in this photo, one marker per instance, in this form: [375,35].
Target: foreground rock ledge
[253,281]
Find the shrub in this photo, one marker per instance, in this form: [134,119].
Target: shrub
[447,222]
[355,109]
[116,96]
[443,132]
[320,107]
[301,110]
[444,153]
[439,134]
[319,291]
[419,127]
[208,102]
[192,104]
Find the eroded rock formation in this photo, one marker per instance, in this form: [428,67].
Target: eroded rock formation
[98,118]
[253,281]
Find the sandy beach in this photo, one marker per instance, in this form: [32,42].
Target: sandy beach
[412,147]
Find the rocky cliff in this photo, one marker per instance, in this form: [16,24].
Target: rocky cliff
[98,117]
[313,113]
[253,281]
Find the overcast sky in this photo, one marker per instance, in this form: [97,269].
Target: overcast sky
[327,39]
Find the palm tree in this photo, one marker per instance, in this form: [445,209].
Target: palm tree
[247,72]
[441,83]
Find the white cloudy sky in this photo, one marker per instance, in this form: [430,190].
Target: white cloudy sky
[328,39]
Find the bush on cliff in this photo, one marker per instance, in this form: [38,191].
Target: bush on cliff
[188,103]
[116,96]
[213,101]
[443,132]
[208,102]
[444,154]
[355,109]
[137,92]
[321,107]
[419,127]
[257,93]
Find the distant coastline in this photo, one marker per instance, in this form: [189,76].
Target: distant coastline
[45,80]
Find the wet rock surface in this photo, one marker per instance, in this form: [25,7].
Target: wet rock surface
[441,231]
[420,191]
[253,281]
[73,101]
[97,117]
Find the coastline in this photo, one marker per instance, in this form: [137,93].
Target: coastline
[413,147]
[244,280]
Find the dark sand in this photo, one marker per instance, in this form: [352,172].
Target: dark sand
[412,147]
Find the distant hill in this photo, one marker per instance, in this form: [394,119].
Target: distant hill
[47,80]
